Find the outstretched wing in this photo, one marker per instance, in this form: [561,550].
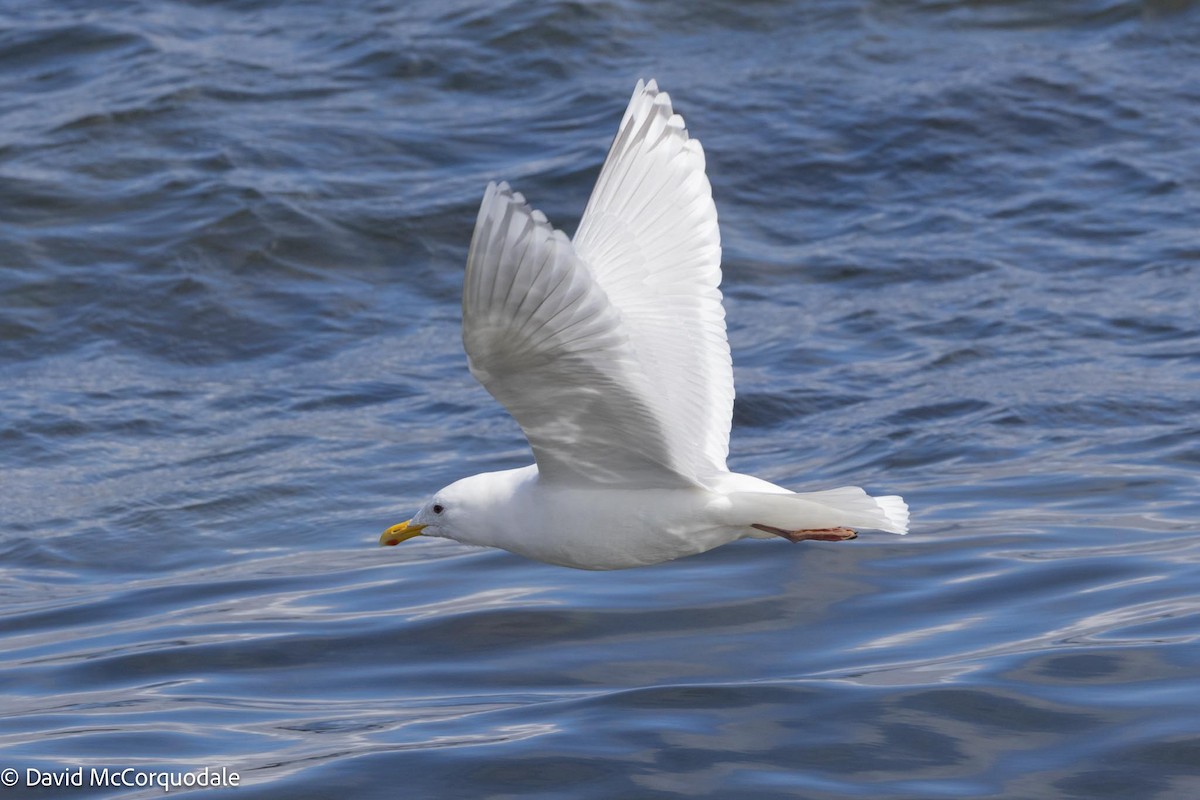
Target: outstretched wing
[610,353]
[543,338]
[649,234]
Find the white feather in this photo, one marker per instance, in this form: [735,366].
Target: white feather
[544,339]
[650,236]
[610,353]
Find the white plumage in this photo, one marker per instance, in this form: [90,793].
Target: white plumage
[610,352]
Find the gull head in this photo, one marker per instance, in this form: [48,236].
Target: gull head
[467,511]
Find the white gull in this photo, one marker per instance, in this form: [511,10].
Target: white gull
[610,352]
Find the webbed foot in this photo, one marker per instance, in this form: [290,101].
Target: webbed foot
[815,535]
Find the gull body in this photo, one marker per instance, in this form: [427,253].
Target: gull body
[610,351]
[579,526]
[590,527]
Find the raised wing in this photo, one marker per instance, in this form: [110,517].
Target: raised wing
[649,235]
[610,352]
[543,338]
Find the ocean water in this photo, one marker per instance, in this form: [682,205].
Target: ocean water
[961,264]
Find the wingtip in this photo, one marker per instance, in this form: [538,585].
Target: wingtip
[495,190]
[502,191]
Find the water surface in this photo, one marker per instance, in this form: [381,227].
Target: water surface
[961,259]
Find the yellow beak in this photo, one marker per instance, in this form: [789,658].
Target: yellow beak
[399,533]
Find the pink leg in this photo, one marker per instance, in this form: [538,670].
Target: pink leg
[816,535]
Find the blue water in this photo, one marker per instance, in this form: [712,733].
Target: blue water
[961,264]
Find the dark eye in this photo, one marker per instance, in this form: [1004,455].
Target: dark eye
[438,508]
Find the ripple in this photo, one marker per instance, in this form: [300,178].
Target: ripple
[959,265]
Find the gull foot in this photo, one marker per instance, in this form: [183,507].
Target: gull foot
[816,535]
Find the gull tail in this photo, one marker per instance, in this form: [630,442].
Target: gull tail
[847,507]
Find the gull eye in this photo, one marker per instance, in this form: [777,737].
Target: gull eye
[438,508]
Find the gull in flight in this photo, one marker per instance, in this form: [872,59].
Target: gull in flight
[610,351]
